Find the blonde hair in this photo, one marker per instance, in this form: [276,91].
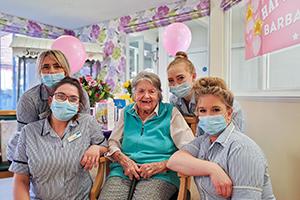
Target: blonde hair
[56,55]
[214,86]
[181,57]
[150,77]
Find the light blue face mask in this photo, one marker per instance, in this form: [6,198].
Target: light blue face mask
[63,111]
[51,79]
[212,125]
[181,90]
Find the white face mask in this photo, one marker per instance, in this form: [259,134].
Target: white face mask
[181,90]
[51,79]
[213,124]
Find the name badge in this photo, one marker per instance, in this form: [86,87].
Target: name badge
[74,136]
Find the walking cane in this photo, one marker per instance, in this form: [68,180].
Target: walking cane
[132,188]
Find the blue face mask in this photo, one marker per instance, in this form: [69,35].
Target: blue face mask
[63,111]
[51,79]
[212,125]
[181,90]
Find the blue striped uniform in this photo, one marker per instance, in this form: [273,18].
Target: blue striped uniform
[241,158]
[53,163]
[33,106]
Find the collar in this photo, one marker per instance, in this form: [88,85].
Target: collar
[192,103]
[225,135]
[44,92]
[47,129]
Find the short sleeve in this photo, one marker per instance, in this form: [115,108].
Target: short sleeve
[11,145]
[193,147]
[26,111]
[20,162]
[96,134]
[246,168]
[238,117]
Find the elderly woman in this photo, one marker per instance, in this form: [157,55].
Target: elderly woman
[33,105]
[51,156]
[222,143]
[147,134]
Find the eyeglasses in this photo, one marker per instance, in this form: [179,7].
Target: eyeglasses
[47,67]
[143,92]
[61,97]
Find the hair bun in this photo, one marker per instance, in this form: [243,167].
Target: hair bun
[181,54]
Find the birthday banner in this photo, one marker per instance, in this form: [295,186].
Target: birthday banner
[271,25]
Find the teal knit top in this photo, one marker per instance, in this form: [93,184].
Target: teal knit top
[148,142]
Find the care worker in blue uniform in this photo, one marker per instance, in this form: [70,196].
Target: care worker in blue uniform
[181,76]
[52,66]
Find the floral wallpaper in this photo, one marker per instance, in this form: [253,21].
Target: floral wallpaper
[13,24]
[112,34]
[227,4]
[163,15]
[112,68]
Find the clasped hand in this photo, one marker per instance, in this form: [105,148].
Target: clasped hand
[131,169]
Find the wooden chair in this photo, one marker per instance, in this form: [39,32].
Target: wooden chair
[192,122]
[102,172]
[185,181]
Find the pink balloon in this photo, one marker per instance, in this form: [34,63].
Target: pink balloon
[176,37]
[73,49]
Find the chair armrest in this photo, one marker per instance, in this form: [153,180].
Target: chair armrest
[192,122]
[185,182]
[100,178]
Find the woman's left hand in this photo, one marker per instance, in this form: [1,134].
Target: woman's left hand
[149,169]
[91,157]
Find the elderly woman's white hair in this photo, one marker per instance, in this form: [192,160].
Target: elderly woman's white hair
[148,76]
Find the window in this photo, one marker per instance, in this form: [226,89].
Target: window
[274,74]
[7,75]
[142,52]
[145,51]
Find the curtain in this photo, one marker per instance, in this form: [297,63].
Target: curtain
[14,24]
[164,15]
[227,4]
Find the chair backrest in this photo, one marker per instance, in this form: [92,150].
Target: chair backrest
[184,192]
[192,122]
[185,181]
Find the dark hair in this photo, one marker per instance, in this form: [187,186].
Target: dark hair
[181,57]
[71,81]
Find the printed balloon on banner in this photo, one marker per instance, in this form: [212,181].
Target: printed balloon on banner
[73,49]
[176,37]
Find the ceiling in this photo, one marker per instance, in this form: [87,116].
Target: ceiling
[72,14]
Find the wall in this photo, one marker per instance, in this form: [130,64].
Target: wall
[271,123]
[274,125]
